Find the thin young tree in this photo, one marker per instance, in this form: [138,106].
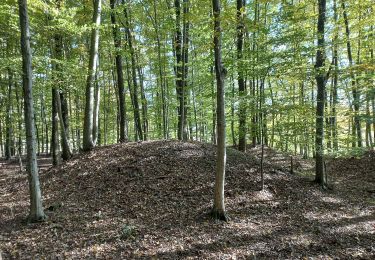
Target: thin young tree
[130,41]
[120,74]
[218,210]
[88,124]
[240,79]
[36,207]
[321,82]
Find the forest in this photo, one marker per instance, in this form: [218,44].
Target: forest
[186,129]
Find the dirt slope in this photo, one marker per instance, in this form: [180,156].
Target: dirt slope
[151,199]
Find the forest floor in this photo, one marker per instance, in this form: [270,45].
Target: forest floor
[151,200]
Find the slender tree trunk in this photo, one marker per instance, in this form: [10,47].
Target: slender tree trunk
[179,70]
[60,101]
[214,114]
[320,80]
[65,142]
[232,114]
[218,210]
[55,128]
[19,121]
[8,119]
[241,81]
[335,81]
[355,91]
[143,104]
[36,207]
[161,75]
[88,142]
[65,136]
[120,75]
[1,140]
[137,117]
[96,121]
[185,67]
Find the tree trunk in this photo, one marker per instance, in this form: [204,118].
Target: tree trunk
[8,120]
[143,104]
[88,142]
[185,67]
[179,70]
[335,81]
[59,99]
[218,210]
[234,141]
[321,81]
[96,123]
[240,79]
[214,114]
[120,75]
[355,92]
[36,207]
[55,129]
[137,117]
[161,75]
[65,143]
[19,109]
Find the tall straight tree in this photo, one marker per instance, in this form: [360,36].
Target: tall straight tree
[241,81]
[356,95]
[129,36]
[8,120]
[36,207]
[88,124]
[178,68]
[320,81]
[185,67]
[218,210]
[59,95]
[120,74]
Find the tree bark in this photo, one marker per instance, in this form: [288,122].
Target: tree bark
[161,75]
[179,70]
[240,79]
[36,207]
[120,75]
[137,117]
[88,142]
[55,129]
[96,121]
[321,81]
[355,92]
[218,211]
[59,99]
[335,81]
[8,119]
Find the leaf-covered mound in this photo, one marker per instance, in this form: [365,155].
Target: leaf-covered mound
[151,199]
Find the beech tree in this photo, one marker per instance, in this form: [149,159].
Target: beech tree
[218,210]
[321,82]
[88,126]
[36,207]
[119,71]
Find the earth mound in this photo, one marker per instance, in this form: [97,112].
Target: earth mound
[151,200]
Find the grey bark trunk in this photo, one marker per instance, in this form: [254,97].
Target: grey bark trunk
[137,117]
[36,207]
[241,82]
[88,142]
[120,75]
[8,120]
[55,131]
[218,210]
[355,92]
[320,80]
